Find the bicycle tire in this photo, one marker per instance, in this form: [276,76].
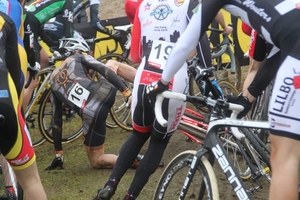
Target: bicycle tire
[223,72]
[175,173]
[120,112]
[264,134]
[31,113]
[72,123]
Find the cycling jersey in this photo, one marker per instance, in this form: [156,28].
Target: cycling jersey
[94,13]
[92,100]
[14,10]
[158,33]
[15,142]
[41,11]
[246,29]
[277,22]
[44,10]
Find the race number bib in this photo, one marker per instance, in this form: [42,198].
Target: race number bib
[78,95]
[159,54]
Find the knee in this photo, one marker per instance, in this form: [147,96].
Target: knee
[105,161]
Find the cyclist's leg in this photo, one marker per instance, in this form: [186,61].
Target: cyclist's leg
[15,144]
[160,136]
[284,161]
[43,60]
[284,124]
[257,53]
[94,124]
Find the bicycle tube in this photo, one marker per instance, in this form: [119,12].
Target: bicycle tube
[199,134]
[120,112]
[175,174]
[256,145]
[222,69]
[7,175]
[31,114]
[72,123]
[234,149]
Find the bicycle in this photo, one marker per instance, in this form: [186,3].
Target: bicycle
[202,160]
[41,132]
[8,178]
[260,111]
[120,111]
[39,109]
[122,107]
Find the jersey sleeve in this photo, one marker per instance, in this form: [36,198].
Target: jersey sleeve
[136,49]
[105,71]
[29,42]
[204,14]
[68,18]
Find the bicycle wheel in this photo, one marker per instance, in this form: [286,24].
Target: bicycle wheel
[260,148]
[31,113]
[174,177]
[72,123]
[120,112]
[233,150]
[264,134]
[223,70]
[8,177]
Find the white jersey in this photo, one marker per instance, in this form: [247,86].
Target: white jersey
[161,23]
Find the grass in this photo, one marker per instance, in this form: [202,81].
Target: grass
[78,180]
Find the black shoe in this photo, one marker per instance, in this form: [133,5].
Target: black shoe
[56,162]
[8,195]
[138,159]
[105,193]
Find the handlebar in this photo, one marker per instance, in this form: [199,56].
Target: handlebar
[215,104]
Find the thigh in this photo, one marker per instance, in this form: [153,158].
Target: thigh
[15,142]
[284,105]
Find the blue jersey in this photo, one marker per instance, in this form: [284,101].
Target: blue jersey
[14,10]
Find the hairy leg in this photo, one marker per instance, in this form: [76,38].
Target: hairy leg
[29,180]
[285,159]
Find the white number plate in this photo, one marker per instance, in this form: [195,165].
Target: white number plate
[159,54]
[78,95]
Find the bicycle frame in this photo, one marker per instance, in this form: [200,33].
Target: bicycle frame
[212,145]
[38,94]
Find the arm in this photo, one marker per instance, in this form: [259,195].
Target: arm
[201,19]
[105,71]
[68,18]
[29,42]
[220,19]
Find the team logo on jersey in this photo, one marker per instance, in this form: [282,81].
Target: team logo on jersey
[178,3]
[30,8]
[147,6]
[161,12]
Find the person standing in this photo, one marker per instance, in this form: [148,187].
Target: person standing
[157,26]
